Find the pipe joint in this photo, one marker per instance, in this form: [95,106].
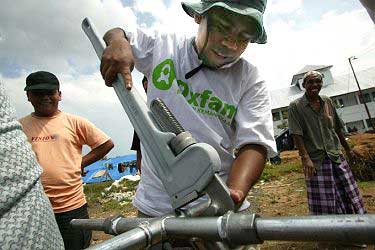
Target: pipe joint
[110,224]
[239,229]
[154,231]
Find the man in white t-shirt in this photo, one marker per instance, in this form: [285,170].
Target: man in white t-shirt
[216,95]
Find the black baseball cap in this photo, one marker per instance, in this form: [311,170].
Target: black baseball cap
[42,80]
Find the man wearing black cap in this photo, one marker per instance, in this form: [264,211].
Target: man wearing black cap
[216,95]
[57,139]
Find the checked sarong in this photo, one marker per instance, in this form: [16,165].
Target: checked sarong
[333,190]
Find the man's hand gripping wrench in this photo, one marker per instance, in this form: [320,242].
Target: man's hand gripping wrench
[186,168]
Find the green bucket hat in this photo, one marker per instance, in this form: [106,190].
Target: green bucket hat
[251,8]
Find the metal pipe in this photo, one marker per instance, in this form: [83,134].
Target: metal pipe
[109,225]
[243,229]
[89,224]
[146,234]
[233,229]
[134,239]
[126,224]
[204,228]
[334,228]
[240,229]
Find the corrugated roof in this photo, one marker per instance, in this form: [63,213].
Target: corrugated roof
[341,85]
[308,68]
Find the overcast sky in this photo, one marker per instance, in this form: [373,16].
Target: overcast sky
[46,35]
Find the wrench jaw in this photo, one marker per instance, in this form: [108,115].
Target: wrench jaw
[195,175]
[220,199]
[192,170]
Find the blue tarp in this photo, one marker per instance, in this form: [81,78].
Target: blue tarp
[110,169]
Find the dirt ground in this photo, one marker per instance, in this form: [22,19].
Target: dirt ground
[287,197]
[284,195]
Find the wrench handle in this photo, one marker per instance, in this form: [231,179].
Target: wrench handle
[139,114]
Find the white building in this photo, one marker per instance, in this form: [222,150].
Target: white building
[342,89]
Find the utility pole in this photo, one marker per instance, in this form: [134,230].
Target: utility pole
[360,93]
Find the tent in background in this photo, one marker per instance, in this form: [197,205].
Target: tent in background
[109,170]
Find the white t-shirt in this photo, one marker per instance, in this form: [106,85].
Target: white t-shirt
[226,108]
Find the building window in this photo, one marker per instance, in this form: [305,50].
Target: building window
[283,125]
[368,122]
[366,98]
[356,126]
[340,103]
[276,116]
[285,114]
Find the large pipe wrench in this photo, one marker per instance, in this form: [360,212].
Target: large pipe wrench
[187,169]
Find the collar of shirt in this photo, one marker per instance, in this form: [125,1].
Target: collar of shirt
[306,102]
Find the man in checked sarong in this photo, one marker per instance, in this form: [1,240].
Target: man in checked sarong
[317,133]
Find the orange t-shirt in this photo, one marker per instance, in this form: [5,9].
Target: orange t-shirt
[57,142]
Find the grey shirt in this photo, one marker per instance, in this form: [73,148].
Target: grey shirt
[316,128]
[26,217]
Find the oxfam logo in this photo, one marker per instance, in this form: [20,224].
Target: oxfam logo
[164,75]
[204,101]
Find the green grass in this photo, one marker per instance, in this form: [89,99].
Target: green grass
[103,200]
[115,206]
[272,172]
[366,184]
[94,188]
[93,191]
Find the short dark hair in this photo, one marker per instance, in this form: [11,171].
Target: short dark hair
[311,74]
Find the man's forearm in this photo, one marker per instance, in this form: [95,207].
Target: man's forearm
[247,168]
[97,153]
[298,141]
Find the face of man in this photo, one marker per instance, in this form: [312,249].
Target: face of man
[228,36]
[45,102]
[313,85]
